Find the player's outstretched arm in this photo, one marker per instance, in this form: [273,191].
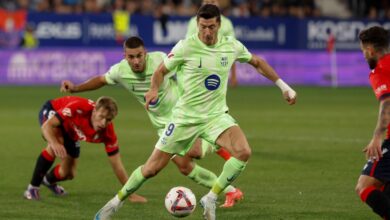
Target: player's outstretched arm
[266,70]
[91,84]
[156,81]
[50,132]
[121,174]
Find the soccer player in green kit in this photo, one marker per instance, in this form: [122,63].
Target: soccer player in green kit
[203,61]
[226,29]
[134,73]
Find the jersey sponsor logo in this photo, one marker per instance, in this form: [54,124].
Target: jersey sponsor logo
[200,63]
[67,112]
[224,61]
[212,82]
[380,89]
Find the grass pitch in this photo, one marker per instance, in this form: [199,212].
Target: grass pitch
[305,163]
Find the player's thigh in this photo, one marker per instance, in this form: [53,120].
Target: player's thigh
[156,162]
[196,149]
[375,173]
[234,140]
[365,181]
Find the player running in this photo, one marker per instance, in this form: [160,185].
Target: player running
[204,61]
[134,73]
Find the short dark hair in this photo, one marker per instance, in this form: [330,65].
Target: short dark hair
[133,42]
[377,36]
[208,11]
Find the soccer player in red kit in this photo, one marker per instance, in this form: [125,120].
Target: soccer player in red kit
[64,123]
[373,184]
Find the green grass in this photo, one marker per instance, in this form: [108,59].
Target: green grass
[305,163]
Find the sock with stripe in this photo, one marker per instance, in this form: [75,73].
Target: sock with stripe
[206,178]
[43,164]
[377,200]
[54,175]
[134,182]
[231,170]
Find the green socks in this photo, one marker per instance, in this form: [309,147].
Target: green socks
[133,183]
[205,178]
[231,170]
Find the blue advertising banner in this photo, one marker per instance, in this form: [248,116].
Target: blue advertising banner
[256,33]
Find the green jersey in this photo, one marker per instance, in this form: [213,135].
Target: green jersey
[226,28]
[202,73]
[138,84]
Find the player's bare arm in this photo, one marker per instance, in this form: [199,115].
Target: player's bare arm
[373,149]
[233,76]
[49,131]
[267,71]
[91,84]
[157,79]
[121,174]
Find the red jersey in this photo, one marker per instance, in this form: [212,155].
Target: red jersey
[75,116]
[380,80]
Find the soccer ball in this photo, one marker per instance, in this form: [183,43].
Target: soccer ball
[180,201]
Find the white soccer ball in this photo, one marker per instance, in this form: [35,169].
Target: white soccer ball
[180,201]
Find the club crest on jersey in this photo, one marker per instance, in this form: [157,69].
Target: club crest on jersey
[224,61]
[212,82]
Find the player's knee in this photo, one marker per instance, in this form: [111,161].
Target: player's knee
[359,188]
[243,153]
[196,154]
[185,169]
[71,175]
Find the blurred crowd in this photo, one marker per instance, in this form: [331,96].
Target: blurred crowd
[371,9]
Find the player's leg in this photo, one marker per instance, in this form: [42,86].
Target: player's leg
[235,141]
[202,176]
[369,190]
[156,162]
[45,159]
[224,132]
[66,170]
[371,183]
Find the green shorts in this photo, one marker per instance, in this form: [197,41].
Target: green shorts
[178,138]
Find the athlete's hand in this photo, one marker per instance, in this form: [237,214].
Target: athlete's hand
[374,149]
[151,97]
[290,96]
[135,198]
[59,150]
[67,86]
